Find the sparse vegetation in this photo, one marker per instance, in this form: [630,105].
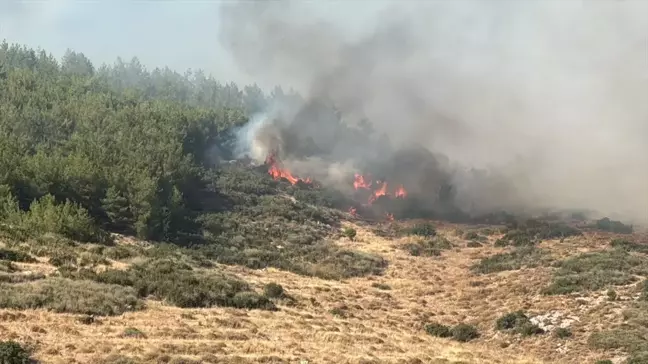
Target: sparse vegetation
[382,286]
[428,247]
[597,270]
[178,284]
[425,229]
[562,333]
[65,295]
[12,352]
[15,256]
[521,257]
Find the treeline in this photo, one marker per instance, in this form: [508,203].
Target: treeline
[115,148]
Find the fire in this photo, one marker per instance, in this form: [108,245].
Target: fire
[361,182]
[382,191]
[353,211]
[400,192]
[390,217]
[277,172]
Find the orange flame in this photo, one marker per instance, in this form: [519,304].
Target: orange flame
[390,217]
[382,191]
[353,211]
[277,172]
[400,192]
[361,182]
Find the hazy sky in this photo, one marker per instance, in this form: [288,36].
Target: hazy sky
[178,34]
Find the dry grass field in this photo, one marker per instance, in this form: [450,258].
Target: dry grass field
[377,319]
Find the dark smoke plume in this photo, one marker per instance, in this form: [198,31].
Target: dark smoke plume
[523,106]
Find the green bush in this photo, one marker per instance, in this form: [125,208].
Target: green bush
[65,295]
[179,285]
[350,233]
[511,321]
[133,332]
[613,226]
[12,352]
[595,271]
[437,329]
[68,219]
[273,290]
[382,286]
[15,256]
[425,229]
[529,329]
[427,248]
[521,257]
[464,332]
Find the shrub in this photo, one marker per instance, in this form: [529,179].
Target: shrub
[529,329]
[179,285]
[613,226]
[630,246]
[12,352]
[63,258]
[65,295]
[273,290]
[382,286]
[595,271]
[15,256]
[563,333]
[474,244]
[350,233]
[511,321]
[425,229]
[439,330]
[464,332]
[132,332]
[518,258]
[427,248]
[606,361]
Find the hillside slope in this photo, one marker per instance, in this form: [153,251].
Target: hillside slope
[377,319]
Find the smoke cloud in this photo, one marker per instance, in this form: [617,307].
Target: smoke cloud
[519,105]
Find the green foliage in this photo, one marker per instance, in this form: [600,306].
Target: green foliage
[349,233]
[273,290]
[460,332]
[630,246]
[12,352]
[381,286]
[531,232]
[438,330]
[179,285]
[428,248]
[597,270]
[133,332]
[464,332]
[511,321]
[425,229]
[15,256]
[606,361]
[67,219]
[521,257]
[65,295]
[613,226]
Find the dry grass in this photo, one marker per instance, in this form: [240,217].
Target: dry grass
[373,325]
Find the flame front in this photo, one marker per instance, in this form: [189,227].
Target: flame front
[382,191]
[361,182]
[400,192]
[277,172]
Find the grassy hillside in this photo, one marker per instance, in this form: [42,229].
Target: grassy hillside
[124,238]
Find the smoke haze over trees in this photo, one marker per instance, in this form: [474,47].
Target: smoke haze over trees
[518,106]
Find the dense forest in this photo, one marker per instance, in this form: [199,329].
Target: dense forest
[90,151]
